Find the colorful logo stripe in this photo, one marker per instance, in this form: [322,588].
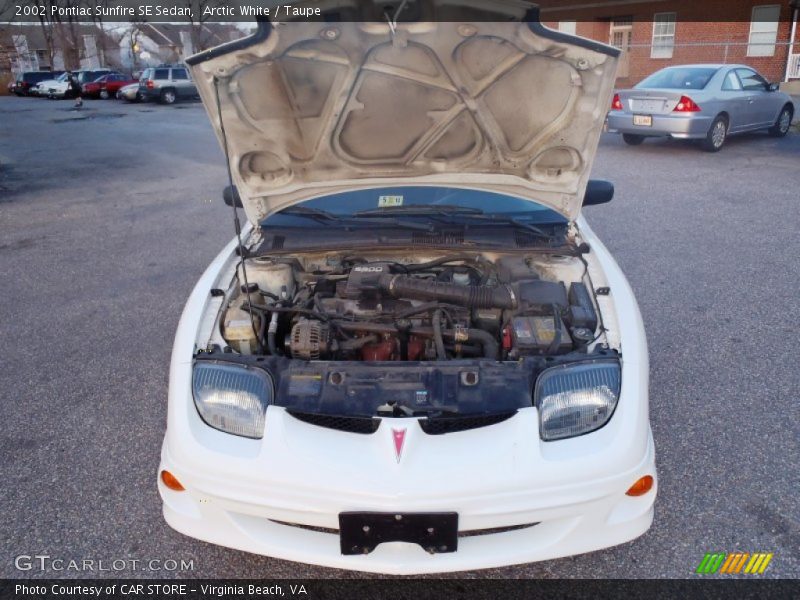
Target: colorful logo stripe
[736,562]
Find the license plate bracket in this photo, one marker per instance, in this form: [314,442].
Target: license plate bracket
[643,120]
[362,532]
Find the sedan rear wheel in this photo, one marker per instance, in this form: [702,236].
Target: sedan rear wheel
[716,136]
[104,94]
[781,127]
[632,139]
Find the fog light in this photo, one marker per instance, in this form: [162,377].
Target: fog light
[641,487]
[169,480]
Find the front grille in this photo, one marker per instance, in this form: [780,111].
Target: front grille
[442,425]
[364,425]
[494,530]
[471,533]
[307,527]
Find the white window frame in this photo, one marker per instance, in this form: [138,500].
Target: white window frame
[765,32]
[663,41]
[569,27]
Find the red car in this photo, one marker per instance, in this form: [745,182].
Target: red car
[106,86]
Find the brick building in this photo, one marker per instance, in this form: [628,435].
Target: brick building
[657,33]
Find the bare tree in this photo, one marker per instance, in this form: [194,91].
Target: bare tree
[201,37]
[48,32]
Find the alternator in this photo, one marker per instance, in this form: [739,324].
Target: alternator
[309,339]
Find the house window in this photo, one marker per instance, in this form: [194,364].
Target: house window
[763,30]
[663,35]
[569,27]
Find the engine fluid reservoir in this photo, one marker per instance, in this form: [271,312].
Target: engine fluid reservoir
[270,277]
[237,329]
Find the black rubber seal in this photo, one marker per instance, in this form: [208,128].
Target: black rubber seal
[261,34]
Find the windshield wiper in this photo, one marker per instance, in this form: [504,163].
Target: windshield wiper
[322,216]
[417,209]
[451,210]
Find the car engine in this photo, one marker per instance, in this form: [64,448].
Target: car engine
[448,307]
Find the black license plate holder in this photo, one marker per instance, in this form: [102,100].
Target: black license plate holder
[362,532]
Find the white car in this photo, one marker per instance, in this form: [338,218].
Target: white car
[421,358]
[42,88]
[60,87]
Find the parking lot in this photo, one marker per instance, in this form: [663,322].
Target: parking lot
[108,216]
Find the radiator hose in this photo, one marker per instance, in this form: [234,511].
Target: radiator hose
[471,296]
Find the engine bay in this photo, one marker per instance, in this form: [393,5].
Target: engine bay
[418,307]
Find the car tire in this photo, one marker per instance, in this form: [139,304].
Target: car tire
[168,96]
[717,134]
[104,95]
[783,122]
[632,139]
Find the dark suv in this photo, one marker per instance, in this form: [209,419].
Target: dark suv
[27,79]
[166,83]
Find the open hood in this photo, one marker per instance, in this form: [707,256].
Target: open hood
[313,108]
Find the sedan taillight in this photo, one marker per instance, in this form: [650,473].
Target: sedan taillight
[616,103]
[686,104]
[150,85]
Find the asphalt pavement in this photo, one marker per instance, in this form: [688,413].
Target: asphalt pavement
[109,215]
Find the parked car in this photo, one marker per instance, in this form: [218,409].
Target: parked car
[419,358]
[706,102]
[130,93]
[42,88]
[106,86]
[27,80]
[60,89]
[166,84]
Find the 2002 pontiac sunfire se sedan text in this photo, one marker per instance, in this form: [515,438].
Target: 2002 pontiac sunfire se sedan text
[422,359]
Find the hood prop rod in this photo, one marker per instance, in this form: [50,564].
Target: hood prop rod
[236,223]
[392,19]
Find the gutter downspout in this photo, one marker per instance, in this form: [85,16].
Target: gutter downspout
[791,44]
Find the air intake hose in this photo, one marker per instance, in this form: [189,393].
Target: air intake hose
[471,296]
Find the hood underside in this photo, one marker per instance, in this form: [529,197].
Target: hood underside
[312,108]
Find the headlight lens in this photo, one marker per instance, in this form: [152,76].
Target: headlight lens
[232,398]
[576,399]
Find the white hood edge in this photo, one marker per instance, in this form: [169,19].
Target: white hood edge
[313,108]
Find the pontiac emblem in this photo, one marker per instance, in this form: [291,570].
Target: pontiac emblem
[399,438]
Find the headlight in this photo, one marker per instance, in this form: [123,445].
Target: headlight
[232,398]
[576,399]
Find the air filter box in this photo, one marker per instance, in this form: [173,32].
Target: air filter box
[539,296]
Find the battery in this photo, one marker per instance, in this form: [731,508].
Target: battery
[534,335]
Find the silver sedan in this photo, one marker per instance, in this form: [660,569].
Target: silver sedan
[130,93]
[706,102]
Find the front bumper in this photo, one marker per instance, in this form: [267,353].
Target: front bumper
[679,126]
[274,518]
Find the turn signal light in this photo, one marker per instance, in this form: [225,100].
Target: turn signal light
[616,103]
[641,487]
[686,104]
[169,480]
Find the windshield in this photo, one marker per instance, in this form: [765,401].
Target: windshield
[406,198]
[679,78]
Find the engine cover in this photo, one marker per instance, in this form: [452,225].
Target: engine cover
[364,280]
